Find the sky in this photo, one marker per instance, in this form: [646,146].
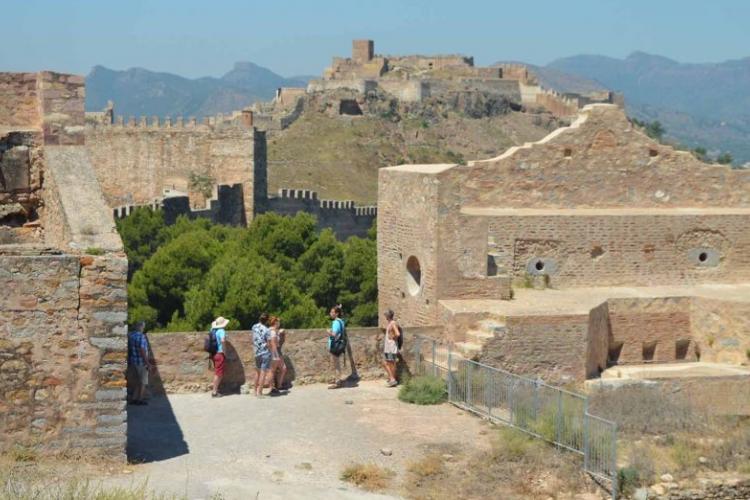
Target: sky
[292,37]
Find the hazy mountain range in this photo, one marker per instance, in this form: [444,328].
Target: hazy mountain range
[704,104]
[138,91]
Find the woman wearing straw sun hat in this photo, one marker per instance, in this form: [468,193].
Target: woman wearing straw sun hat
[217,329]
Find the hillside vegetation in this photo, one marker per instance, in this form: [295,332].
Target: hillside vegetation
[339,156]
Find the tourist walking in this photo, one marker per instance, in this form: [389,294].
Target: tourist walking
[390,347]
[278,366]
[261,337]
[217,351]
[139,363]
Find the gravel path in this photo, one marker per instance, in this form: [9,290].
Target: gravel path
[293,446]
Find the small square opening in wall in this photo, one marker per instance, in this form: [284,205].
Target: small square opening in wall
[681,348]
[568,152]
[653,152]
[649,351]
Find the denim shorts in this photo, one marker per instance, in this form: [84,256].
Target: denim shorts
[263,362]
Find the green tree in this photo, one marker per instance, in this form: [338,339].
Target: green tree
[165,278]
[318,271]
[360,281]
[700,153]
[142,234]
[725,159]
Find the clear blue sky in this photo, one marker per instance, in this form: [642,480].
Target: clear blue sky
[204,38]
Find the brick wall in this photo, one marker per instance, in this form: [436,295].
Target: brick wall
[407,227]
[62,351]
[134,163]
[624,248]
[19,104]
[551,347]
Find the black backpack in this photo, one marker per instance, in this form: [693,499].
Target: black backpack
[400,339]
[338,342]
[210,343]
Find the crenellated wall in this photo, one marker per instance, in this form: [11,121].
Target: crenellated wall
[136,160]
[344,217]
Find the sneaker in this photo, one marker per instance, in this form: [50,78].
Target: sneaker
[274,392]
[392,383]
[215,394]
[335,385]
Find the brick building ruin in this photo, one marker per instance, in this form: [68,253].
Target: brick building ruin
[63,271]
[591,248]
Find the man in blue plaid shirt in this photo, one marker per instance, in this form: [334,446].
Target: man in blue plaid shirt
[139,363]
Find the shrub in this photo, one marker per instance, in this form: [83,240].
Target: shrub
[94,251]
[628,479]
[685,454]
[367,476]
[512,445]
[424,390]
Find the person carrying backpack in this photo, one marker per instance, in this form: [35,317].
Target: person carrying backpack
[391,344]
[215,345]
[338,343]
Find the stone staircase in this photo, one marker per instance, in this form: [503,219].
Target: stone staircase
[471,347]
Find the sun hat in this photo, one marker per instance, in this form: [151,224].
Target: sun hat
[220,322]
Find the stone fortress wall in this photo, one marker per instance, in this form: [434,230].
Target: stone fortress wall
[63,314]
[609,244]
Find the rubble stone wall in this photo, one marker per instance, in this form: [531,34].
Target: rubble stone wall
[63,351]
[182,365]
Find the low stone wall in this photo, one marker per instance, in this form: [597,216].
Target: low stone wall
[182,365]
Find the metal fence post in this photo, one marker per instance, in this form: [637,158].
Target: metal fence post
[418,356]
[468,374]
[536,399]
[559,419]
[586,451]
[510,401]
[434,364]
[613,467]
[450,375]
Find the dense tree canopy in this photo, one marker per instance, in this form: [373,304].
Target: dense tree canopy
[183,276]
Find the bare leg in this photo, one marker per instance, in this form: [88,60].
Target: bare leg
[217,383]
[258,382]
[280,374]
[336,362]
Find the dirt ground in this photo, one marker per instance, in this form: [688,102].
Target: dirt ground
[292,446]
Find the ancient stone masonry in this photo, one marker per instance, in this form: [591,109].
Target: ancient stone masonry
[414,78]
[136,161]
[614,249]
[63,314]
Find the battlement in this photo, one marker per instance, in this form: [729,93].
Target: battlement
[239,119]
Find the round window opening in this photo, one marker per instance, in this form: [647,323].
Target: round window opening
[539,265]
[703,257]
[413,275]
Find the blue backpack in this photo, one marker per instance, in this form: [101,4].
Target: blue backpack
[337,344]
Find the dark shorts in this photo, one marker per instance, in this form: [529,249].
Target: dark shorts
[390,356]
[263,362]
[219,364]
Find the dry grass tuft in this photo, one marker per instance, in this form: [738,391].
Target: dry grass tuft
[369,477]
[431,465]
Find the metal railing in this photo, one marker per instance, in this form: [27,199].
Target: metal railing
[546,412]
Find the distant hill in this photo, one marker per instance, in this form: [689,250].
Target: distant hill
[705,104]
[138,91]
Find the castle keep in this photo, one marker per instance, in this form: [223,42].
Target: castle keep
[63,311]
[591,248]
